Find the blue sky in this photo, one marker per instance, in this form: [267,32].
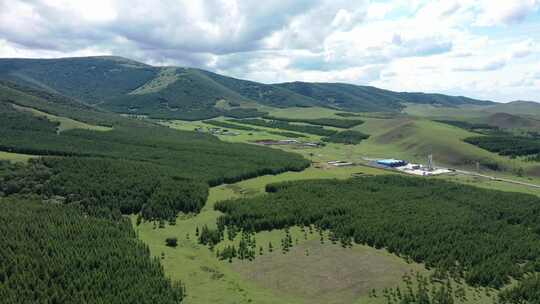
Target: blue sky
[479,48]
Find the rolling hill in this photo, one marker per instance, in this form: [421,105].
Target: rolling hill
[125,86]
[517,107]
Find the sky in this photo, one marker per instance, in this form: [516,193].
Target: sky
[488,49]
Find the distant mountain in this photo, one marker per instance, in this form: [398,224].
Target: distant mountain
[126,86]
[372,99]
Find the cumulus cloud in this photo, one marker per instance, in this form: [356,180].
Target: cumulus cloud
[401,44]
[523,49]
[506,12]
[490,65]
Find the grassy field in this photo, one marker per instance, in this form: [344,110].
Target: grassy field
[326,273]
[307,113]
[15,157]
[65,123]
[459,113]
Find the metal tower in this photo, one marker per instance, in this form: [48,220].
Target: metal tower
[430,162]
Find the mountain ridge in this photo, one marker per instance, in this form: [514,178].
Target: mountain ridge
[192,93]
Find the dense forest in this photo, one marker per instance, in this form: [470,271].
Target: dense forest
[350,137]
[507,145]
[473,127]
[62,254]
[136,166]
[277,124]
[64,239]
[330,122]
[127,186]
[484,236]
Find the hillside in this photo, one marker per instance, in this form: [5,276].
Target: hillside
[372,99]
[125,86]
[88,79]
[517,108]
[510,121]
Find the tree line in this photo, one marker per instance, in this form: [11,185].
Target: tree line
[330,122]
[349,137]
[507,145]
[278,124]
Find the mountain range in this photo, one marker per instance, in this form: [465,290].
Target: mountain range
[125,86]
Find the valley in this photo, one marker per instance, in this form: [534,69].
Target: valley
[231,191]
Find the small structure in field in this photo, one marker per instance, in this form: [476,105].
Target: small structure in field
[287,142]
[339,163]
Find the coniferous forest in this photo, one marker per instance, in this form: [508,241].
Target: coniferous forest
[349,137]
[135,167]
[64,239]
[63,254]
[507,144]
[284,125]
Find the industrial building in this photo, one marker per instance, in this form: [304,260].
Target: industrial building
[392,163]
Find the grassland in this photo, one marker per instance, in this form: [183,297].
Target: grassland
[463,112]
[15,157]
[165,77]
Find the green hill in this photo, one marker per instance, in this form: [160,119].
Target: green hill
[125,86]
[371,99]
[517,108]
[89,79]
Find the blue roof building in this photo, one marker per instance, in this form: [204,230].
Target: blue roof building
[392,162]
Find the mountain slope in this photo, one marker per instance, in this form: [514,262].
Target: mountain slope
[89,79]
[126,86]
[517,108]
[370,99]
[272,95]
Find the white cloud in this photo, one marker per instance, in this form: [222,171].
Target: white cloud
[506,11]
[490,65]
[523,49]
[447,45]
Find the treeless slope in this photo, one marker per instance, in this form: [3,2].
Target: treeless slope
[414,139]
[510,121]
